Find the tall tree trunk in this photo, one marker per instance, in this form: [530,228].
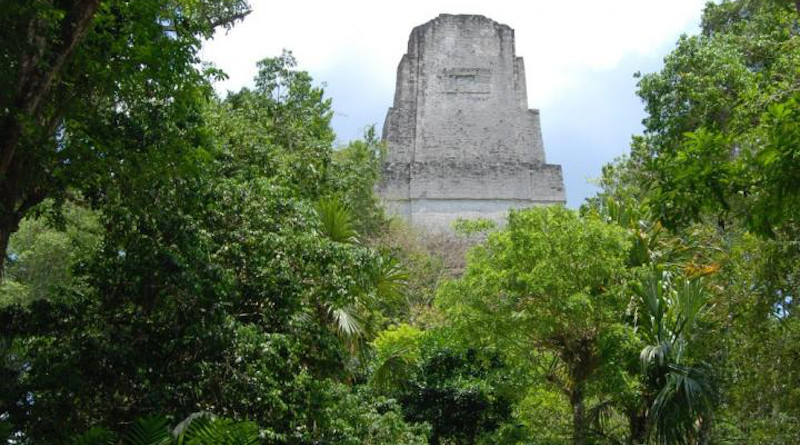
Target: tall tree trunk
[637,422]
[704,436]
[40,65]
[39,68]
[578,415]
[11,214]
[6,229]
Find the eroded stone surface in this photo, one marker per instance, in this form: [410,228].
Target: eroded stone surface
[461,139]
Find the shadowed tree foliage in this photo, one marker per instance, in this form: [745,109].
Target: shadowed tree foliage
[466,394]
[215,288]
[180,253]
[90,90]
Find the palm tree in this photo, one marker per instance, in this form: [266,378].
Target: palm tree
[681,389]
[337,220]
[388,278]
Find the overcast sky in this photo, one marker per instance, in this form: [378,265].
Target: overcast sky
[586,53]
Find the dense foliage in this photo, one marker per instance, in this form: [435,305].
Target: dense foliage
[91,91]
[186,268]
[219,287]
[721,133]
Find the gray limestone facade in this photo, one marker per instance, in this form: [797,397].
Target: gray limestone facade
[461,140]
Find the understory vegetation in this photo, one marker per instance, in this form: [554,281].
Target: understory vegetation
[179,267]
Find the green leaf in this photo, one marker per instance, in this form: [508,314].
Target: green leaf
[152,430]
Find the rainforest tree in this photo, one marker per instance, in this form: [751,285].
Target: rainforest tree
[549,285]
[721,132]
[88,86]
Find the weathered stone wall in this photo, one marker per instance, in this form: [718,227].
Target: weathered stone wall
[461,141]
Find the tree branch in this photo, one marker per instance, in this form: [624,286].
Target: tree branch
[30,201]
[225,21]
[36,81]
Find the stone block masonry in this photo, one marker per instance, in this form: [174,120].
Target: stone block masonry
[461,140]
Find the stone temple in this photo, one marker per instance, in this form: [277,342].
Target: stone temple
[461,140]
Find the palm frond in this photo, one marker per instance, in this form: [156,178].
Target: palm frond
[151,430]
[691,299]
[391,279]
[179,432]
[336,219]
[302,317]
[686,399]
[207,430]
[651,293]
[599,415]
[393,372]
[346,321]
[95,436]
[657,354]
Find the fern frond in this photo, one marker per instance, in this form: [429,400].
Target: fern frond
[95,436]
[151,430]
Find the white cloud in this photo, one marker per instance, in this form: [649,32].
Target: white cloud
[565,38]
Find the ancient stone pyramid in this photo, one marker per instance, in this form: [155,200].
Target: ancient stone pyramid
[461,140]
